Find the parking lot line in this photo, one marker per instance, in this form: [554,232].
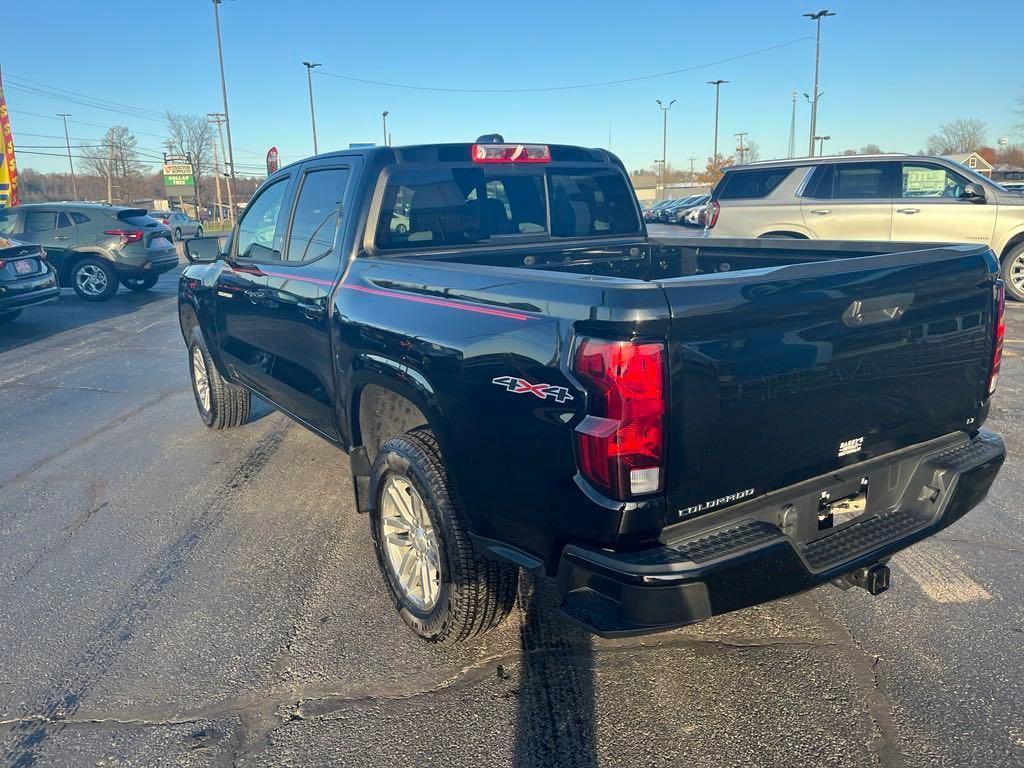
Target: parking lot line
[939,574]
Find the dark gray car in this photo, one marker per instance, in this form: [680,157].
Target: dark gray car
[94,246]
[179,224]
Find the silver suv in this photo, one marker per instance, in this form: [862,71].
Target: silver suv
[872,197]
[94,246]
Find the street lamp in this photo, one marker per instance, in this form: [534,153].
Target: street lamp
[67,141]
[816,17]
[224,92]
[384,117]
[718,85]
[664,135]
[821,144]
[312,115]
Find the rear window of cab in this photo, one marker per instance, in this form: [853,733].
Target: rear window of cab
[750,185]
[429,207]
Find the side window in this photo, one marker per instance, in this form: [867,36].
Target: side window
[819,186]
[591,203]
[259,236]
[7,221]
[63,221]
[747,185]
[40,221]
[861,181]
[317,214]
[926,180]
[79,218]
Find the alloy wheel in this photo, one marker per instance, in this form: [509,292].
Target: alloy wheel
[413,550]
[1017,273]
[91,280]
[201,377]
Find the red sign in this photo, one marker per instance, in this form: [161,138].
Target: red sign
[271,160]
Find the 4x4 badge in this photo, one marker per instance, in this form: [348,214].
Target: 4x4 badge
[519,386]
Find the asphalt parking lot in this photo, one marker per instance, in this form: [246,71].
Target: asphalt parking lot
[170,596]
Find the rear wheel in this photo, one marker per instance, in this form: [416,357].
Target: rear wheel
[443,588]
[93,279]
[1013,272]
[6,317]
[199,232]
[176,234]
[221,404]
[139,283]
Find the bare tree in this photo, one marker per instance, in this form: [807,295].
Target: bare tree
[192,135]
[870,149]
[117,159]
[960,135]
[752,152]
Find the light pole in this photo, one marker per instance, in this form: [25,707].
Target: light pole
[218,118]
[227,118]
[67,141]
[718,86]
[312,115]
[792,129]
[664,135]
[384,117]
[817,17]
[821,144]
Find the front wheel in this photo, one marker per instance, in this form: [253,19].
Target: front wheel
[1013,272]
[176,235]
[94,279]
[199,232]
[221,404]
[443,588]
[139,283]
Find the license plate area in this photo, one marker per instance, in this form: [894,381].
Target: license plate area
[160,243]
[24,267]
[833,513]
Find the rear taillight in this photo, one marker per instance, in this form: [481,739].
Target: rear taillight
[711,214]
[511,153]
[126,235]
[621,443]
[1000,334]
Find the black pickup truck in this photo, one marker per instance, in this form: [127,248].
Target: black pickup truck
[522,378]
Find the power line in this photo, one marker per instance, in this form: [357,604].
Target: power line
[131,107]
[138,114]
[601,84]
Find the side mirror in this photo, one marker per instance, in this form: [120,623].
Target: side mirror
[974,192]
[205,250]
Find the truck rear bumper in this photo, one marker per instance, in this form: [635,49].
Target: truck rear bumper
[750,561]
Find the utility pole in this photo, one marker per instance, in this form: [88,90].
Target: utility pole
[312,115]
[741,149]
[110,167]
[692,174]
[218,118]
[792,129]
[817,17]
[718,86]
[664,137]
[384,117]
[227,118]
[219,218]
[67,141]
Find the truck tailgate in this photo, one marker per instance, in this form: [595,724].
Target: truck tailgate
[781,374]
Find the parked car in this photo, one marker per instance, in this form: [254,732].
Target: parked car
[525,379]
[905,198]
[26,278]
[179,224]
[93,246]
[664,215]
[689,214]
[651,214]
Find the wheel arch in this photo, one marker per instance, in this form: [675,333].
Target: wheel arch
[784,233]
[1014,240]
[74,256]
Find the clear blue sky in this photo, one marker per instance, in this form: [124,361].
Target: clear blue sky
[891,71]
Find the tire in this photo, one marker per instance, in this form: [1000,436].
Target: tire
[176,235]
[224,405]
[94,279]
[199,231]
[471,594]
[1012,271]
[6,317]
[139,283]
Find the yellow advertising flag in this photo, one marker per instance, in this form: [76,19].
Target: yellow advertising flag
[8,169]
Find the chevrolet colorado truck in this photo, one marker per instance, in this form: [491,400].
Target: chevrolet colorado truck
[522,378]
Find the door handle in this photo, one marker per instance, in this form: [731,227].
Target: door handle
[908,211]
[312,311]
[821,211]
[61,237]
[256,296]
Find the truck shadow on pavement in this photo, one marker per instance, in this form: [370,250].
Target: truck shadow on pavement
[555,717]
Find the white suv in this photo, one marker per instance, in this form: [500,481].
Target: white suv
[872,197]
